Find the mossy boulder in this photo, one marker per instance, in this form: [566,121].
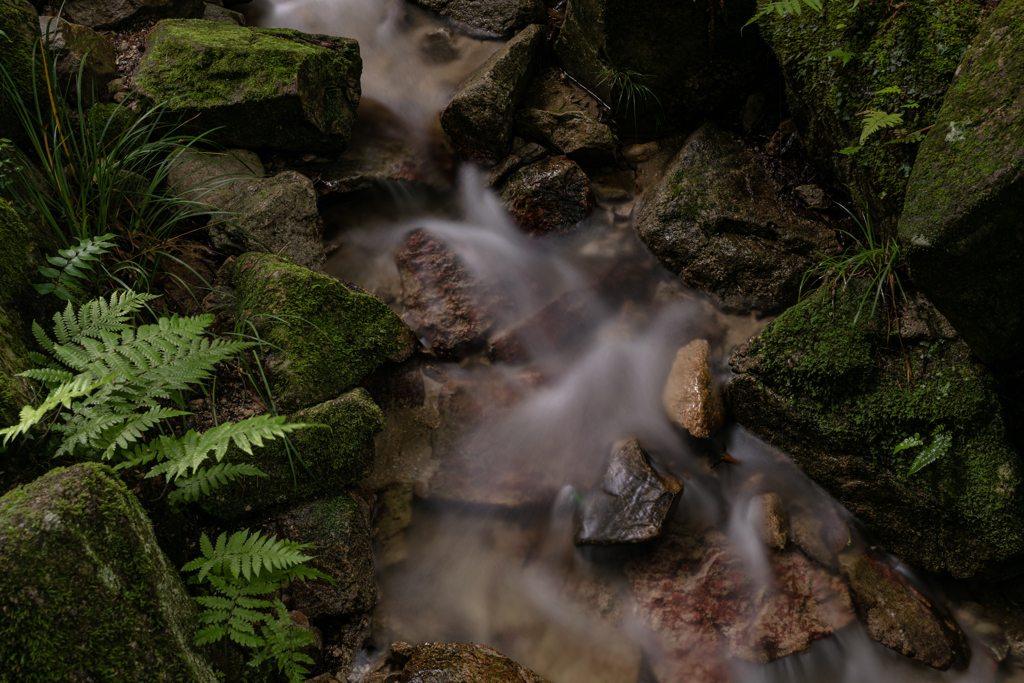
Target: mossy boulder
[335,451]
[265,87]
[961,223]
[85,591]
[690,54]
[328,335]
[19,31]
[838,396]
[915,46]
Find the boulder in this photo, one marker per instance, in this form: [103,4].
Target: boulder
[502,17]
[550,195]
[326,336]
[85,591]
[691,57]
[839,396]
[690,398]
[961,220]
[446,304]
[715,220]
[575,134]
[19,33]
[262,87]
[103,14]
[80,50]
[462,662]
[212,12]
[885,48]
[901,617]
[632,504]
[214,180]
[333,452]
[480,116]
[697,595]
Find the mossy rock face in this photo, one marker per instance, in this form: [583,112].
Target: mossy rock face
[85,592]
[274,88]
[16,260]
[336,450]
[19,30]
[836,396]
[961,223]
[105,14]
[328,335]
[916,46]
[691,54]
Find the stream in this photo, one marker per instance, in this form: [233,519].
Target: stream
[488,555]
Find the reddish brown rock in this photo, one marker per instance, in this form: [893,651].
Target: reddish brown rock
[690,397]
[551,195]
[695,593]
[558,325]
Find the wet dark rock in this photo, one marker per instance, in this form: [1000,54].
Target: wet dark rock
[104,14]
[575,134]
[715,220]
[695,592]
[523,153]
[503,17]
[462,662]
[813,196]
[480,116]
[551,195]
[632,503]
[690,398]
[839,396]
[819,533]
[84,588]
[81,50]
[902,618]
[212,12]
[559,325]
[446,304]
[438,47]
[961,221]
[214,180]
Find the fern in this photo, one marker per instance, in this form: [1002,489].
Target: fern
[73,264]
[940,445]
[283,642]
[784,7]
[207,480]
[875,120]
[248,555]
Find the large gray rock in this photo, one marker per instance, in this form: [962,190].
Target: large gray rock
[104,14]
[503,17]
[715,220]
[77,44]
[85,591]
[480,116]
[961,223]
[261,87]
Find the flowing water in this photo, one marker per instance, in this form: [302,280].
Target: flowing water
[489,556]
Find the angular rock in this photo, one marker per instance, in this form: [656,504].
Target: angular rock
[774,525]
[327,335]
[262,87]
[446,304]
[900,617]
[85,591]
[715,220]
[690,397]
[835,396]
[214,180]
[820,534]
[77,44]
[212,12]
[503,17]
[576,134]
[696,594]
[277,215]
[337,450]
[462,662]
[961,220]
[103,14]
[551,195]
[632,504]
[480,116]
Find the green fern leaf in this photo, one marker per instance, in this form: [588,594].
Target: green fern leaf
[941,443]
[875,120]
[254,552]
[205,481]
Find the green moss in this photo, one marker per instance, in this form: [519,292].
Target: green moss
[112,118]
[14,263]
[328,336]
[336,451]
[16,22]
[85,591]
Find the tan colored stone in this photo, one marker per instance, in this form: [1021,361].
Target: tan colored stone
[774,526]
[690,397]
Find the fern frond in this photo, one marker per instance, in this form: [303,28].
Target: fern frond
[63,395]
[49,376]
[283,642]
[875,120]
[782,8]
[98,315]
[247,555]
[205,481]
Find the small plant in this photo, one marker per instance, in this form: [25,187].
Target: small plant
[784,7]
[942,440]
[73,264]
[633,93]
[874,120]
[245,570]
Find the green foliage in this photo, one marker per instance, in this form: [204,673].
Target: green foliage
[875,120]
[840,54]
[633,93]
[942,440]
[784,7]
[73,264]
[244,571]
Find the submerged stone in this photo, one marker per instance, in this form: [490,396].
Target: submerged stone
[503,17]
[690,397]
[85,591]
[961,223]
[716,221]
[632,503]
[262,87]
[551,195]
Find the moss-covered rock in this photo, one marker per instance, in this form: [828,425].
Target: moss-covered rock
[915,46]
[335,451]
[19,30]
[85,592]
[691,54]
[327,335]
[961,223]
[265,87]
[15,263]
[839,397]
